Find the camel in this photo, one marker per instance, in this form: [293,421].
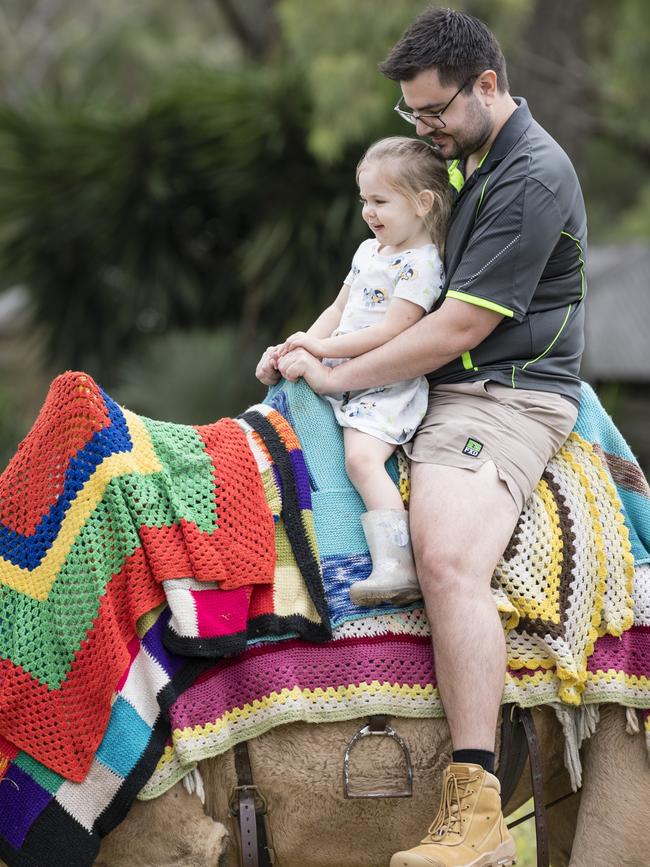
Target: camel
[298,767]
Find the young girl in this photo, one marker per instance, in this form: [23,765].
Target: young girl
[395,279]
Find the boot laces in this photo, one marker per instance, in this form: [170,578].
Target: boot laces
[449,817]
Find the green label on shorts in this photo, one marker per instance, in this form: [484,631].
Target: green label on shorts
[473,448]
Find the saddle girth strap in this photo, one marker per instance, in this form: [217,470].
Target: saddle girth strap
[513,753]
[248,803]
[541,827]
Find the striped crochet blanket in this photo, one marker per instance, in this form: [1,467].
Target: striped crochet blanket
[573,588]
[564,604]
[132,553]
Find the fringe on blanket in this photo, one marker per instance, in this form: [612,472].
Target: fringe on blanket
[193,784]
[578,724]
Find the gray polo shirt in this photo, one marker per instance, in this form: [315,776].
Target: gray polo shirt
[516,244]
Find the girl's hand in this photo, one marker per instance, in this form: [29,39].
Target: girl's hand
[299,363]
[267,368]
[302,340]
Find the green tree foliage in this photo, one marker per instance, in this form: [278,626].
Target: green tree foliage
[79,49]
[192,377]
[141,194]
[339,47]
[203,209]
[618,152]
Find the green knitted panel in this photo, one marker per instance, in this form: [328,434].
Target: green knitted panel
[64,618]
[46,778]
[182,453]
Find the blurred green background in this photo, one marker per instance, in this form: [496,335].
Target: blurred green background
[177,179]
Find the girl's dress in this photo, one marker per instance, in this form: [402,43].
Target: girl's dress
[390,412]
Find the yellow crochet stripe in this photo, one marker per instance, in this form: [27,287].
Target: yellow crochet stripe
[38,582]
[536,678]
[575,683]
[551,610]
[630,681]
[515,663]
[547,608]
[330,693]
[169,754]
[628,613]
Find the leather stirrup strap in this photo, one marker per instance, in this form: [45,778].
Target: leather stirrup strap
[541,828]
[254,845]
[513,753]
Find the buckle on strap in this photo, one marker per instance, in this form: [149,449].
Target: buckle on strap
[377,726]
[234,802]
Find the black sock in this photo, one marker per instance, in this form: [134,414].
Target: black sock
[484,758]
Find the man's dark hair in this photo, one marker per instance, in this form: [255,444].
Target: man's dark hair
[457,45]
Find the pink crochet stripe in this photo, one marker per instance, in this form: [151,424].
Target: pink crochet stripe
[258,672]
[629,653]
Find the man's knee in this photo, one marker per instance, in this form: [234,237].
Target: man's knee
[442,570]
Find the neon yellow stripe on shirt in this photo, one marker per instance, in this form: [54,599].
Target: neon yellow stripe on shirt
[480,302]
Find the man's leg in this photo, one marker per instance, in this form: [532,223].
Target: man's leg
[461,522]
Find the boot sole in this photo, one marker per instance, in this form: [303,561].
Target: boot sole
[369,598]
[501,857]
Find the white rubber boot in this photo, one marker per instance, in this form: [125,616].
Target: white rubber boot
[393,578]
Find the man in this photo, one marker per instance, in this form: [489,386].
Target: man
[502,351]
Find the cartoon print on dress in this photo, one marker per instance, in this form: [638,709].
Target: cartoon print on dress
[372,297]
[408,272]
[361,408]
[397,262]
[355,270]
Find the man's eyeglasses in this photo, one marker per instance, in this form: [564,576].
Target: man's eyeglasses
[433,121]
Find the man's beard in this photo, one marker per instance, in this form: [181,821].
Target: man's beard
[477,130]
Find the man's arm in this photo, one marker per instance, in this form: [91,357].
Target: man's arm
[432,342]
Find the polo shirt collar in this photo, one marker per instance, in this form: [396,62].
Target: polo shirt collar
[508,136]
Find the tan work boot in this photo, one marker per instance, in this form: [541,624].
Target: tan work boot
[393,578]
[469,830]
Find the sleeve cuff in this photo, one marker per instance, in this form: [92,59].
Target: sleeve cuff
[481,302]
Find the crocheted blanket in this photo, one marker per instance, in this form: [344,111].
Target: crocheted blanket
[562,603]
[131,550]
[573,588]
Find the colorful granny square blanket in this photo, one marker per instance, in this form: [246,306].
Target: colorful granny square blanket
[573,588]
[124,543]
[223,632]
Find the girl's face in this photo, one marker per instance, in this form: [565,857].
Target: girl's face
[392,216]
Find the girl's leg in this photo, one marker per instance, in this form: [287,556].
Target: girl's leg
[385,524]
[365,457]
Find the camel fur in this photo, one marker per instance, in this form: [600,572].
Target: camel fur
[298,767]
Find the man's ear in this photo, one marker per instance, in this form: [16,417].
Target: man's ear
[487,86]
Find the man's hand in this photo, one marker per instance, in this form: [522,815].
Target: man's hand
[267,368]
[299,363]
[302,340]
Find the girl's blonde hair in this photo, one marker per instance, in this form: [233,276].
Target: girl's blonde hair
[410,166]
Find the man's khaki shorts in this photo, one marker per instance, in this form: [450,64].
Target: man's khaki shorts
[470,423]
